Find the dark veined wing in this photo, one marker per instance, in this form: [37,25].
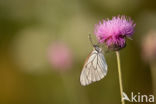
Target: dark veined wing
[95,68]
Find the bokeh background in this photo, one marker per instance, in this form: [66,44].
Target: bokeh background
[29,29]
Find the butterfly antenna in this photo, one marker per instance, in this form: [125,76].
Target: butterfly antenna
[90,38]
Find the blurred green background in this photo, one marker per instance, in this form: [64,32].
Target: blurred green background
[28,27]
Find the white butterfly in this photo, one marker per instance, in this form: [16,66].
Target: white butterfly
[95,67]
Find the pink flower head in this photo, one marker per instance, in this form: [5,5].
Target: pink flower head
[60,56]
[113,32]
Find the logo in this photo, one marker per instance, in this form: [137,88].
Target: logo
[138,97]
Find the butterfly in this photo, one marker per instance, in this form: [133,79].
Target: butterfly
[95,66]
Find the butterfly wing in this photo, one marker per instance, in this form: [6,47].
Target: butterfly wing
[95,68]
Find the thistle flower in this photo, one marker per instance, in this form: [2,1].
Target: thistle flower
[59,55]
[113,32]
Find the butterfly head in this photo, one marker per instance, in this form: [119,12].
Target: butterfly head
[97,48]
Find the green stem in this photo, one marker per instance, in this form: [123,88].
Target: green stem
[120,76]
